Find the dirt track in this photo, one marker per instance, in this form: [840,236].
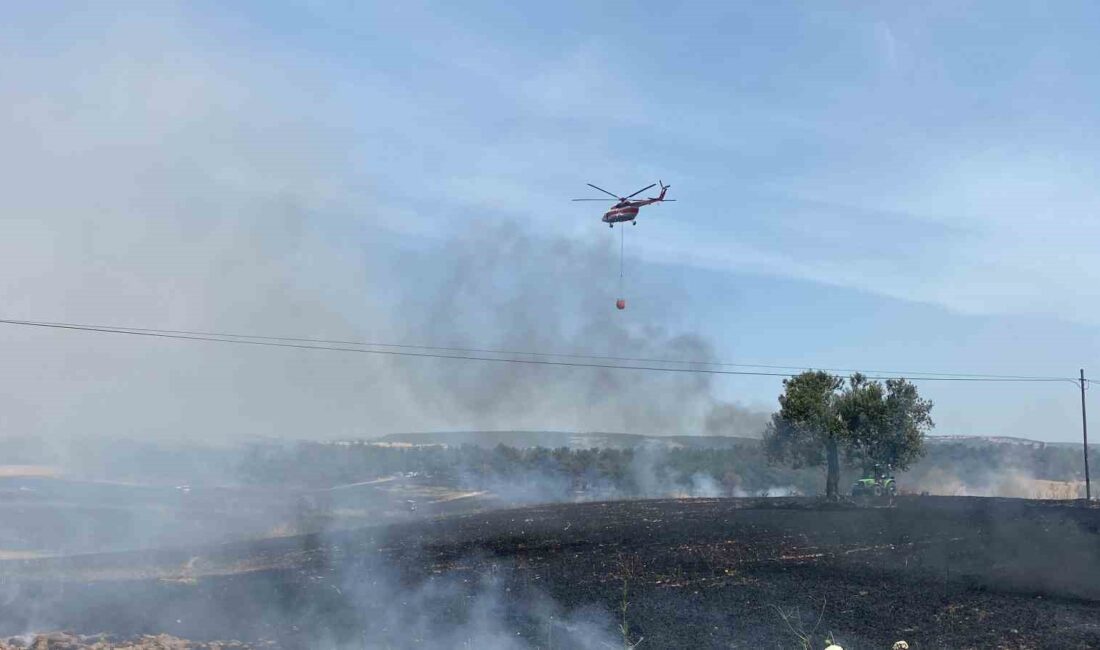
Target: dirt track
[936,572]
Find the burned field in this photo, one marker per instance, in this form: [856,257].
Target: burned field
[938,572]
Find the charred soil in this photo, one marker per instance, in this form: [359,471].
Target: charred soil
[937,572]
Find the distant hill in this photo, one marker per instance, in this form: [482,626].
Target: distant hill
[555,439]
[983,441]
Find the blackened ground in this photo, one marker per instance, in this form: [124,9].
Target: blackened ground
[938,572]
[47,516]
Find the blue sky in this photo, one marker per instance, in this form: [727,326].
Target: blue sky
[893,187]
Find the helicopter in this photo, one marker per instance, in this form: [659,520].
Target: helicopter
[626,209]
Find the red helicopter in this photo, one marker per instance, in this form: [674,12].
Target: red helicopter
[625,209]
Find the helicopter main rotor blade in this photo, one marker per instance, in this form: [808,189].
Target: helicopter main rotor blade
[642,190]
[594,199]
[605,191]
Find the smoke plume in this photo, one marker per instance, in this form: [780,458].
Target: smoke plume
[156,183]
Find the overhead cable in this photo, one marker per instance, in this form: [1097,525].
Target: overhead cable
[477,354]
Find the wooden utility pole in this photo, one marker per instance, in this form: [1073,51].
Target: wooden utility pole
[1085,436]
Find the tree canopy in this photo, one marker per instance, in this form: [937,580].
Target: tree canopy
[821,415]
[888,423]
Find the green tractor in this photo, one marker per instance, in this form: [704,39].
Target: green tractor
[877,483]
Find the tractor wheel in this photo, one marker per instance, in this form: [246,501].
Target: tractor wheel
[877,490]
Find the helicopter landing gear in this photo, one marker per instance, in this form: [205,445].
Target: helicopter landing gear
[633,223]
[610,225]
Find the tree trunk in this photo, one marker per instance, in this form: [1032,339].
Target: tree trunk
[832,477]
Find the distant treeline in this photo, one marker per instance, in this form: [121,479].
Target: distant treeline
[738,470]
[639,471]
[986,460]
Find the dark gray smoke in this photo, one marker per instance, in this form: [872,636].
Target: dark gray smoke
[501,287]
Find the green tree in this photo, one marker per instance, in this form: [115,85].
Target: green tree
[886,425]
[907,417]
[861,408]
[820,416]
[808,431]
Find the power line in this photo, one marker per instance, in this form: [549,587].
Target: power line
[225,337]
[247,341]
[312,344]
